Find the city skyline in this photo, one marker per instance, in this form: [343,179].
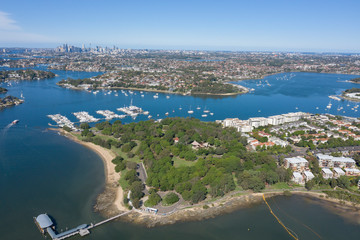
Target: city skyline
[323,26]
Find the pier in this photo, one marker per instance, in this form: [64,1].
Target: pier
[44,223]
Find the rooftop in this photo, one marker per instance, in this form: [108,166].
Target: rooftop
[44,221]
[296,160]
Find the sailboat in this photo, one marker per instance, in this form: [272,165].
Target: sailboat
[190,111]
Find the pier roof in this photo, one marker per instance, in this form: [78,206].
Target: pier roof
[44,221]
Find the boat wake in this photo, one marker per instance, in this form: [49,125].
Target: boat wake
[7,128]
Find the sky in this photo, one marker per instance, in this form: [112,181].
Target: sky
[239,25]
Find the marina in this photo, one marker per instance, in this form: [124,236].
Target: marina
[133,111]
[62,121]
[109,115]
[85,117]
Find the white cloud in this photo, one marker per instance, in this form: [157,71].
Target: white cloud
[7,23]
[11,32]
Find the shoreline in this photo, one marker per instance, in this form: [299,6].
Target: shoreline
[350,99]
[110,201]
[155,90]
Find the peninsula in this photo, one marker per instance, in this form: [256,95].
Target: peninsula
[10,101]
[174,82]
[178,169]
[352,94]
[27,74]
[355,80]
[3,90]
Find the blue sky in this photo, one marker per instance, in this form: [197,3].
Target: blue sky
[286,25]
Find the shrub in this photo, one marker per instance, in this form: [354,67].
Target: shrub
[170,198]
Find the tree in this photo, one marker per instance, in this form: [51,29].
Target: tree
[66,128]
[126,148]
[332,183]
[170,198]
[136,189]
[343,182]
[153,199]
[309,184]
[131,176]
[136,202]
[84,126]
[119,167]
[85,132]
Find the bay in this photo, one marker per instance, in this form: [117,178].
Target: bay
[41,171]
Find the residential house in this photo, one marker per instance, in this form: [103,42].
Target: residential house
[338,172]
[297,178]
[308,175]
[296,163]
[327,173]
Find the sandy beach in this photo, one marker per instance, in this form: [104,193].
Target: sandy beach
[112,189]
[110,202]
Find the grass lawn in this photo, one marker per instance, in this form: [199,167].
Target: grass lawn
[279,185]
[120,153]
[178,162]
[123,183]
[325,186]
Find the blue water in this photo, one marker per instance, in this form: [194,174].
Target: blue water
[41,171]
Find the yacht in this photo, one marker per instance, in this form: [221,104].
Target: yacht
[204,115]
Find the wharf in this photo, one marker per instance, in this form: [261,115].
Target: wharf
[45,224]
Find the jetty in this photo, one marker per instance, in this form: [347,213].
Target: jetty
[45,225]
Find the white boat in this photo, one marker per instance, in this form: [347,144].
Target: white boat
[155,96]
[190,112]
[142,95]
[204,115]
[167,97]
[198,108]
[146,113]
[211,114]
[149,116]
[166,113]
